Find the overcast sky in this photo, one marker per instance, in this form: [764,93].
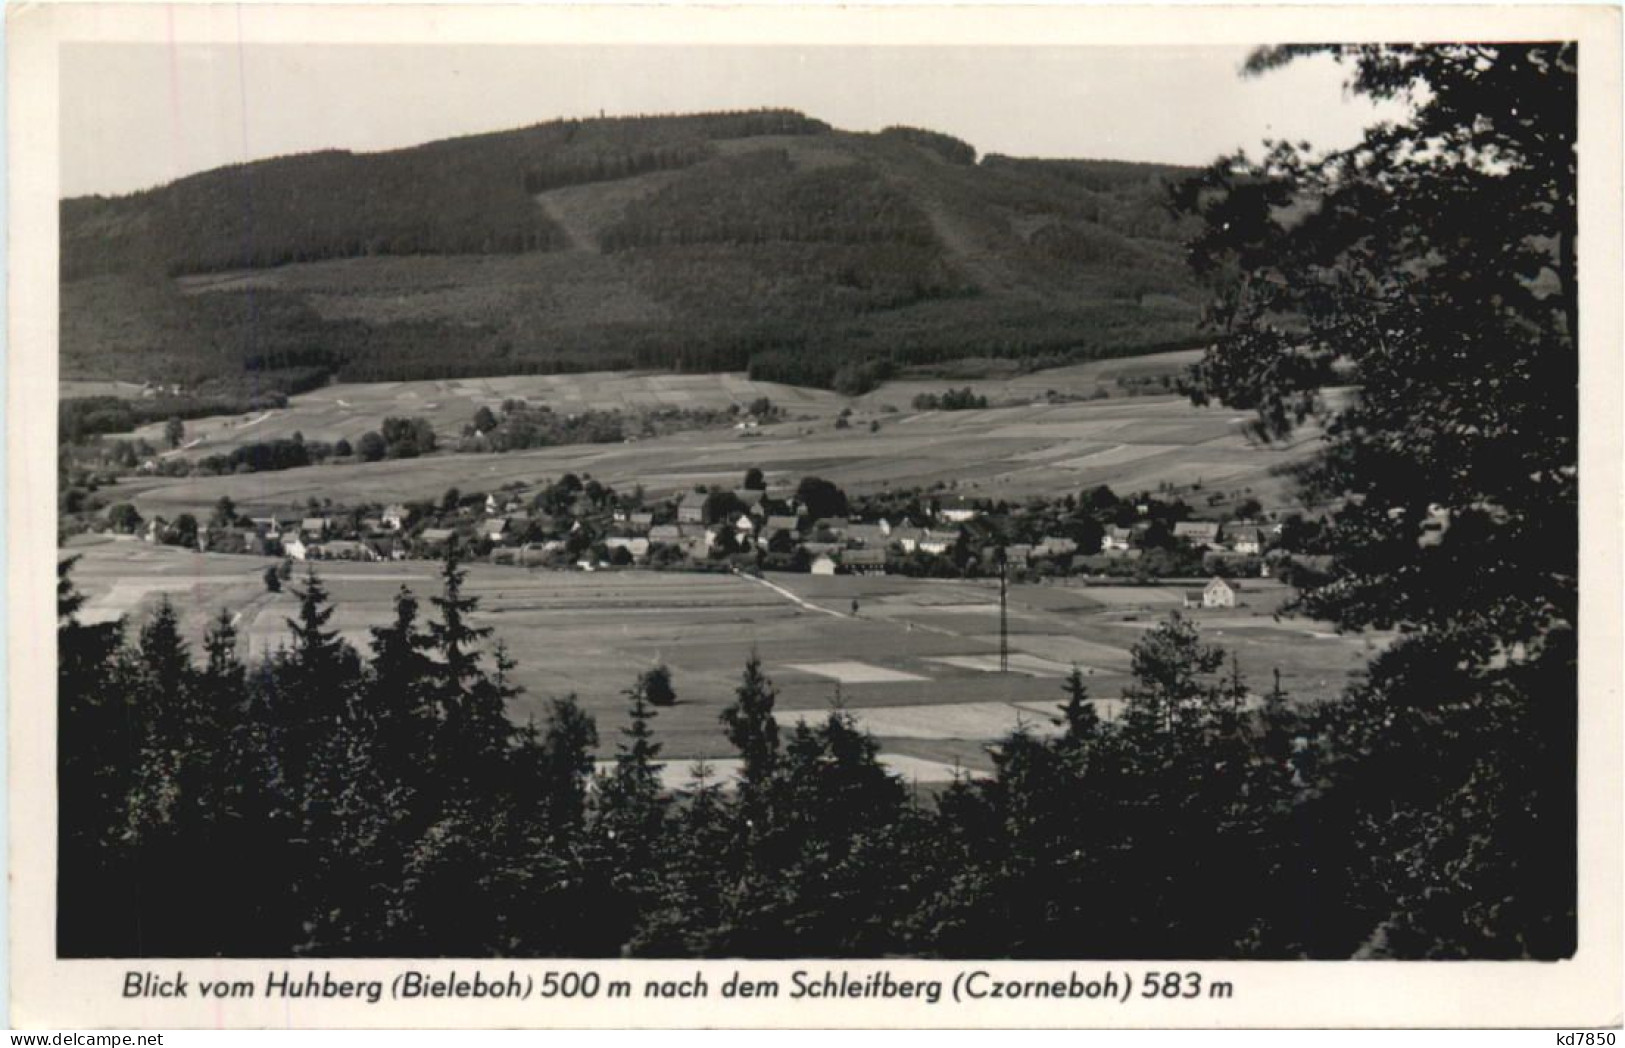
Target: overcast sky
[135,116]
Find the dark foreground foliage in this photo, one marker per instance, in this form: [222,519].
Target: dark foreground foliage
[318,802]
[1432,267]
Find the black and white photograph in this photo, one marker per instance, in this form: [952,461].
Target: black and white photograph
[635,501]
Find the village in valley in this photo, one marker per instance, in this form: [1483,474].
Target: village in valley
[1096,499]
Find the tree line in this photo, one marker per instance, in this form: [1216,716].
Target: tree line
[318,801]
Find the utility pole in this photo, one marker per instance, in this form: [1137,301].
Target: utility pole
[1004,611]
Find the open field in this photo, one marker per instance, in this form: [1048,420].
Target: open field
[916,665]
[1131,444]
[348,410]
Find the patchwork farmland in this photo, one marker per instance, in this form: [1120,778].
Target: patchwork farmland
[1033,448]
[916,664]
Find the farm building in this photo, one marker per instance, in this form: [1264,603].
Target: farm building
[665,533]
[864,562]
[958,512]
[639,522]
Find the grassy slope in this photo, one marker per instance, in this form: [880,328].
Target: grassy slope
[697,244]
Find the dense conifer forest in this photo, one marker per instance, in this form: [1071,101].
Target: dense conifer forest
[720,241]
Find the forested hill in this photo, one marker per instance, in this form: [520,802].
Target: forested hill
[764,240]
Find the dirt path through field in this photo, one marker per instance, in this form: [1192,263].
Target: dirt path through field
[781,591]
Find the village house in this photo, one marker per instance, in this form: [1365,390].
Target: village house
[824,564]
[745,525]
[1203,534]
[293,546]
[908,539]
[1055,546]
[936,542]
[667,533]
[1218,593]
[869,535]
[435,537]
[1248,540]
[691,510]
[234,540]
[771,536]
[639,522]
[386,549]
[396,517]
[313,527]
[495,530]
[782,522]
[637,547]
[1016,556]
[344,549]
[958,512]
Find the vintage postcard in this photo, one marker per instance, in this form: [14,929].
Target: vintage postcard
[814,516]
